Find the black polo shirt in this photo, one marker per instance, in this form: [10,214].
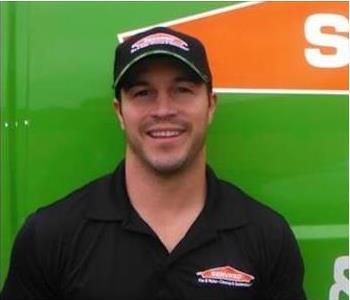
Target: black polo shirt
[93,245]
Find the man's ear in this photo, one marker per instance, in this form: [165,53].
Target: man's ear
[213,99]
[118,110]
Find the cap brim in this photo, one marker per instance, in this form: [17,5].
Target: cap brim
[155,52]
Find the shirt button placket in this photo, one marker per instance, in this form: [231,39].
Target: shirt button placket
[163,292]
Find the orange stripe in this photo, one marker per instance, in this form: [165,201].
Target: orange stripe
[262,46]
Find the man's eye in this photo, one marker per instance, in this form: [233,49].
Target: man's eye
[183,89]
[142,93]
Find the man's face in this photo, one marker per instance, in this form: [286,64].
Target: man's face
[165,112]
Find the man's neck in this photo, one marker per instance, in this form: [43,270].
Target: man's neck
[152,194]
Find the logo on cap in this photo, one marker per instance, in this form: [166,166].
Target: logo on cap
[159,39]
[226,275]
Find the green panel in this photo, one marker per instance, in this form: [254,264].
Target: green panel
[290,148]
[58,129]
[319,256]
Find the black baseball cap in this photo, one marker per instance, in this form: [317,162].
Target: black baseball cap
[161,41]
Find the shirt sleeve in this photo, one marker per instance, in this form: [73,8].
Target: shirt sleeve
[26,278]
[288,270]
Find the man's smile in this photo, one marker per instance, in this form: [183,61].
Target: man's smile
[165,133]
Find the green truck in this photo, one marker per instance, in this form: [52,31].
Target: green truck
[280,132]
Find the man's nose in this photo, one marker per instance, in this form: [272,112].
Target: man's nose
[165,106]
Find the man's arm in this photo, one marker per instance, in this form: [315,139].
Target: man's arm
[288,271]
[26,279]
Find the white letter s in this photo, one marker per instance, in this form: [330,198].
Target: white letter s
[316,37]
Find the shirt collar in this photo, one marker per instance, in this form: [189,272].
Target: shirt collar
[225,205]
[108,200]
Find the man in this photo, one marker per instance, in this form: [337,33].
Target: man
[162,226]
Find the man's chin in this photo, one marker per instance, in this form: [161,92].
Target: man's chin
[167,166]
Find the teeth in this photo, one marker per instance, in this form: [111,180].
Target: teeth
[165,133]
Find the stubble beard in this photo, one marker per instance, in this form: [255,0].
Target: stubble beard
[168,164]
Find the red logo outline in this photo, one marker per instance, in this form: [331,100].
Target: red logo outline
[225,275]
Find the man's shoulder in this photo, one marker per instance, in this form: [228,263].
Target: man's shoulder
[255,211]
[262,227]
[67,212]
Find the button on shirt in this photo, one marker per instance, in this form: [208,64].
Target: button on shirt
[93,245]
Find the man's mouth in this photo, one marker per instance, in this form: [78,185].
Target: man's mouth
[164,133]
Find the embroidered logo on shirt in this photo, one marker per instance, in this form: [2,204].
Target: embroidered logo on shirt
[159,39]
[226,275]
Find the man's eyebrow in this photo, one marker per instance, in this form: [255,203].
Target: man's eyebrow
[139,83]
[136,83]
